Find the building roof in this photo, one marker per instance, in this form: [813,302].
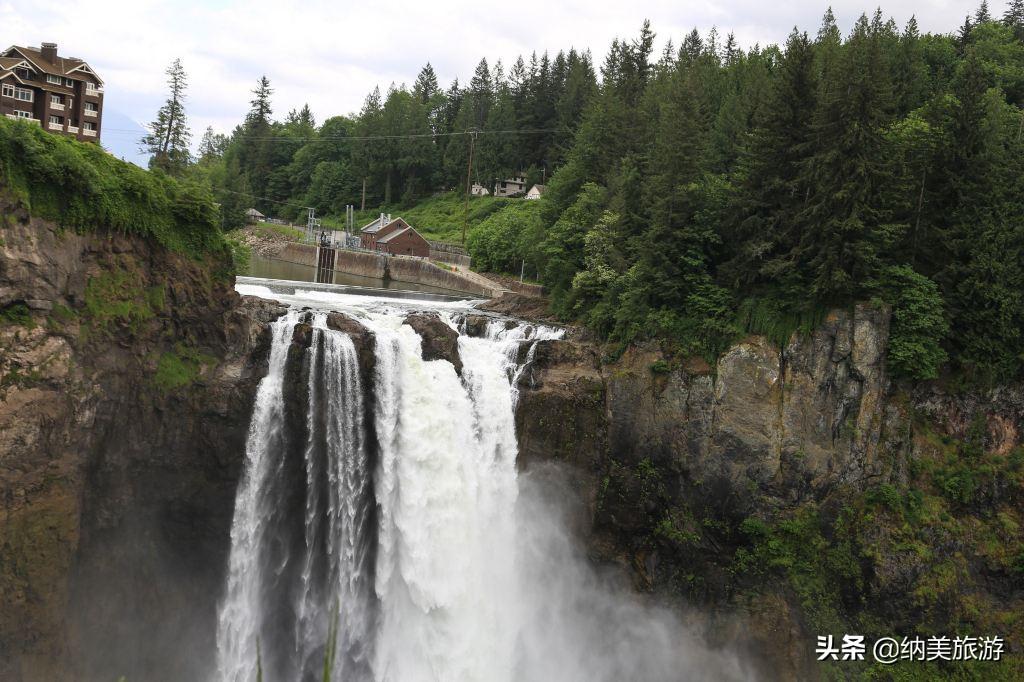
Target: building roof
[388,237]
[377,223]
[60,66]
[254,212]
[540,188]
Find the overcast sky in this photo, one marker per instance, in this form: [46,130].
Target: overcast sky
[330,54]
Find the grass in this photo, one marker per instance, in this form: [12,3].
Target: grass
[272,231]
[80,187]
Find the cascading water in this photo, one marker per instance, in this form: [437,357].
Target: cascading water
[391,517]
[285,599]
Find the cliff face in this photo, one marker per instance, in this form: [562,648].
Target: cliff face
[792,492]
[126,381]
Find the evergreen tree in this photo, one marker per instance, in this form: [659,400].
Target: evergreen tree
[260,111]
[1014,18]
[169,135]
[212,146]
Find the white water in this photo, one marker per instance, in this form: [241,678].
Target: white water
[241,613]
[476,577]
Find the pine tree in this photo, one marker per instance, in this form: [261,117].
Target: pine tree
[260,111]
[426,86]
[169,135]
[212,146]
[1014,18]
[840,225]
[982,15]
[764,223]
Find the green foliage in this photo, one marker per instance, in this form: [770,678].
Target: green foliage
[918,324]
[776,320]
[241,254]
[81,187]
[497,243]
[16,314]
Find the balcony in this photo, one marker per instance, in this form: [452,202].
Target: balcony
[92,112]
[55,126]
[22,118]
[56,106]
[73,130]
[93,92]
[88,133]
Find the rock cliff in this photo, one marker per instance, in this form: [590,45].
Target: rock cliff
[791,492]
[126,381]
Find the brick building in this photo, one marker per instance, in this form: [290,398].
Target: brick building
[62,94]
[395,237]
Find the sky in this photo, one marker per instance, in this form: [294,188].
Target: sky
[331,54]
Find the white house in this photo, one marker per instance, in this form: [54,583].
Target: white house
[536,192]
[478,190]
[511,187]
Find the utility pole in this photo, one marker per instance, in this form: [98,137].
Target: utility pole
[469,179]
[362,206]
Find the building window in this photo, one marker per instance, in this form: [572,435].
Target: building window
[70,83]
[56,99]
[56,119]
[91,87]
[24,94]
[89,125]
[91,106]
[24,74]
[56,80]
[22,114]
[8,90]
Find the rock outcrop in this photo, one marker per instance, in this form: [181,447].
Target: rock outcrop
[440,342]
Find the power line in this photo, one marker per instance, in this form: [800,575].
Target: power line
[370,138]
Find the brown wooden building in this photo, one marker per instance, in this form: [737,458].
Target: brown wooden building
[61,94]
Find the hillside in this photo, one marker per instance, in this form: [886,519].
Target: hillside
[440,217]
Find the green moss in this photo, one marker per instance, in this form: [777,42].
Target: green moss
[114,298]
[81,187]
[180,368]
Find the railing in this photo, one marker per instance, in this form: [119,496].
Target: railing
[94,92]
[23,118]
[91,112]
[73,130]
[56,106]
[55,126]
[89,133]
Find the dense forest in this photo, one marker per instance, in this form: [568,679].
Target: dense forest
[700,191]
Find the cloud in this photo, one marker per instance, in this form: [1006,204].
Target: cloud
[331,54]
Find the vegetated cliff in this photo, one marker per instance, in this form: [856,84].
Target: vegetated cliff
[127,373]
[796,492]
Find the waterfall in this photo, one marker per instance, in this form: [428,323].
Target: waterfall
[327,574]
[384,513]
